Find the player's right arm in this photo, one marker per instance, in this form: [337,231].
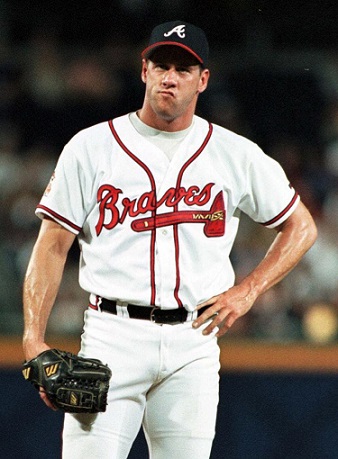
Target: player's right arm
[42,282]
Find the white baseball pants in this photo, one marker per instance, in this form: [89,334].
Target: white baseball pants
[164,378]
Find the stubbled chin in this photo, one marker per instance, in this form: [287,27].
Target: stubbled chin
[165,111]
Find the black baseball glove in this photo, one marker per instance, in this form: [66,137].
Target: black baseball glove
[73,384]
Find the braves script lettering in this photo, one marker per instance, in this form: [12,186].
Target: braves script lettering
[110,215]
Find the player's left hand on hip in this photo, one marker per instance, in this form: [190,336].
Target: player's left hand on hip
[224,310]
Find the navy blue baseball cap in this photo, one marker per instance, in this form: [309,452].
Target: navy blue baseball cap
[179,33]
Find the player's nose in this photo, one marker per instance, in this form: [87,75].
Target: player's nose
[169,77]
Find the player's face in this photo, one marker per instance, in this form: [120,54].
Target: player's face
[173,82]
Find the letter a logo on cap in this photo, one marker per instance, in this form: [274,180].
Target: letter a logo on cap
[179,33]
[180,30]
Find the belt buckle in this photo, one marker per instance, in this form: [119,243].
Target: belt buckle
[152,314]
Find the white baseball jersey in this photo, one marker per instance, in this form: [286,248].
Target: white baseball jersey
[159,232]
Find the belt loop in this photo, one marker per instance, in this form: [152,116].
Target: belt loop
[98,302]
[122,311]
[191,316]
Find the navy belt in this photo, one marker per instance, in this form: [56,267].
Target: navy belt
[152,313]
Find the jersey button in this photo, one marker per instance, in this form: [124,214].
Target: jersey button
[164,232]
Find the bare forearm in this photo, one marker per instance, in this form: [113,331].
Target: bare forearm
[41,284]
[290,245]
[294,237]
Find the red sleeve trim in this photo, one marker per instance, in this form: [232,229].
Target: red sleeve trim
[59,217]
[281,214]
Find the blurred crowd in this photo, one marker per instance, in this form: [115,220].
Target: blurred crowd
[287,102]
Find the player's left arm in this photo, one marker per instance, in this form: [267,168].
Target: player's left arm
[294,238]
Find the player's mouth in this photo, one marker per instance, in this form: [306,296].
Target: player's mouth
[167,93]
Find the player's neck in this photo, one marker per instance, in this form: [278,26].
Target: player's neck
[150,118]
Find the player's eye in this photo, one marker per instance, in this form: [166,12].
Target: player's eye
[160,66]
[183,69]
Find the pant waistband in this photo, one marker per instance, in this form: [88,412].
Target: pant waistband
[151,313]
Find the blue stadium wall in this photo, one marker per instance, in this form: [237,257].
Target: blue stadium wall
[261,416]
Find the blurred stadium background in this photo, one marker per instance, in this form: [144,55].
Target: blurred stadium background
[274,65]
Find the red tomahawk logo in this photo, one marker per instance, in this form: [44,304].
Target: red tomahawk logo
[213,219]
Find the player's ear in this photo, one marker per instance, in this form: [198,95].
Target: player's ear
[204,78]
[144,70]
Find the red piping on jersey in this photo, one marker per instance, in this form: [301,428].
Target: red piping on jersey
[281,214]
[153,212]
[154,215]
[175,227]
[59,217]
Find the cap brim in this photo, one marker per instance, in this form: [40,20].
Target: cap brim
[146,52]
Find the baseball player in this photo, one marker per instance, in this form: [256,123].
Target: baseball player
[154,198]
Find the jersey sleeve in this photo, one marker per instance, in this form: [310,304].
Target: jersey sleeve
[269,197]
[64,198]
